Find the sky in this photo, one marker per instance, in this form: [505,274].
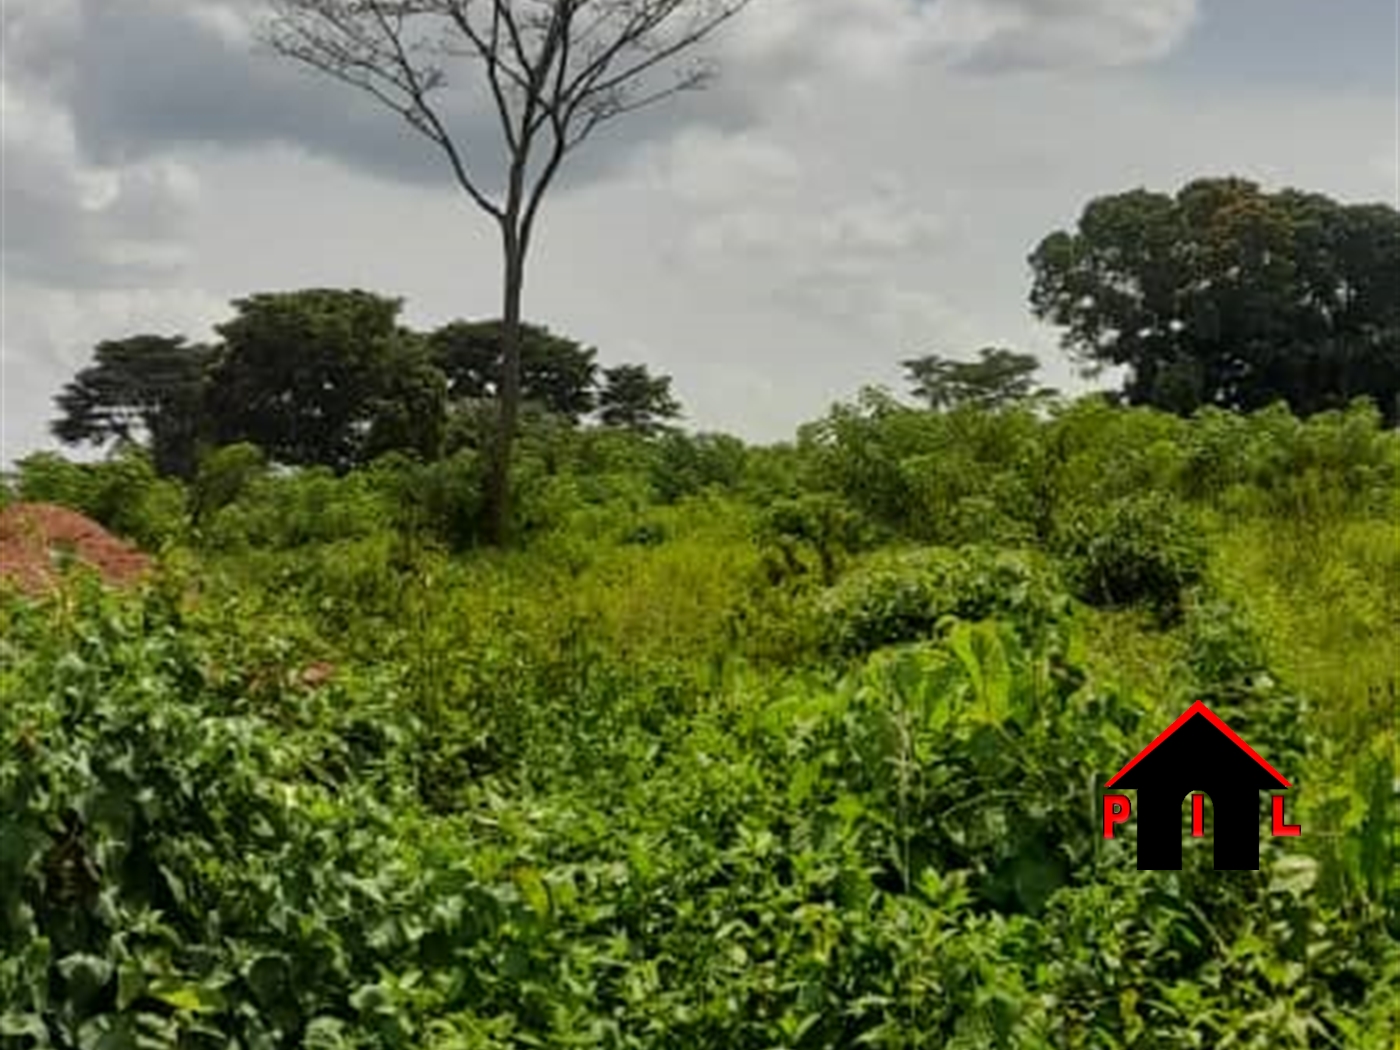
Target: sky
[862,183]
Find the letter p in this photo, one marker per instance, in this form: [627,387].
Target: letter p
[1115,810]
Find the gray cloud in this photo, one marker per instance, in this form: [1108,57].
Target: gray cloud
[52,238]
[144,76]
[1046,34]
[152,76]
[71,224]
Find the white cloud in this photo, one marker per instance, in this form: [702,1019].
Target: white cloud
[230,22]
[702,165]
[882,224]
[1046,33]
[759,219]
[33,33]
[817,256]
[805,40]
[1386,165]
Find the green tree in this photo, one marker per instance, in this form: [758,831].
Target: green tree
[326,377]
[145,390]
[1227,295]
[633,399]
[998,377]
[554,71]
[556,373]
[409,411]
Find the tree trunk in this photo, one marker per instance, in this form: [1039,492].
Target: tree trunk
[498,468]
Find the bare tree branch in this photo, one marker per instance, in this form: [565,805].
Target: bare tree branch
[363,43]
[564,65]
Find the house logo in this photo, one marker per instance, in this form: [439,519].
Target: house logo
[1198,754]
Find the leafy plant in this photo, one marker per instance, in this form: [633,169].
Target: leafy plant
[1137,549]
[904,596]
[336,777]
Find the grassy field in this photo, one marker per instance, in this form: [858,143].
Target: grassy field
[798,748]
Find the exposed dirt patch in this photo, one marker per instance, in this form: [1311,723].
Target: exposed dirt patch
[317,674]
[38,539]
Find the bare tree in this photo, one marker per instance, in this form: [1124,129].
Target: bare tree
[555,71]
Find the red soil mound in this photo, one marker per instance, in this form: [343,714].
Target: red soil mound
[37,538]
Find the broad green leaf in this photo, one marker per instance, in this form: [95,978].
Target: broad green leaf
[533,889]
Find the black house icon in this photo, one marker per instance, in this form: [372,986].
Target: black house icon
[1198,752]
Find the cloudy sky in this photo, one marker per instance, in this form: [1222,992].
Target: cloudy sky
[863,183]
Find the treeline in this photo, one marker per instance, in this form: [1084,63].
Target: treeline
[1102,486]
[1221,296]
[332,378]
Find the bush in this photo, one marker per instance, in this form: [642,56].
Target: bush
[612,787]
[298,507]
[442,500]
[820,523]
[688,464]
[179,870]
[1141,549]
[903,597]
[224,475]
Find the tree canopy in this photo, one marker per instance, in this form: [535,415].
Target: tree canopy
[1228,295]
[634,399]
[556,373]
[998,377]
[144,388]
[324,376]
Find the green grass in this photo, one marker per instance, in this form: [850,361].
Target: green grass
[1326,599]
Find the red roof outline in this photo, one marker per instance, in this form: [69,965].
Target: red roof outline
[1199,707]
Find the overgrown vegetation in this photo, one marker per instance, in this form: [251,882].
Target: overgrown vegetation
[740,747]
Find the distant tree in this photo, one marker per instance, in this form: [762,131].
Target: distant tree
[555,71]
[145,390]
[326,377]
[633,399]
[556,373]
[998,377]
[1230,296]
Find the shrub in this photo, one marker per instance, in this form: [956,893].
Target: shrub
[609,788]
[1140,549]
[1223,646]
[46,477]
[299,507]
[687,464]
[818,522]
[442,500]
[903,597]
[224,475]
